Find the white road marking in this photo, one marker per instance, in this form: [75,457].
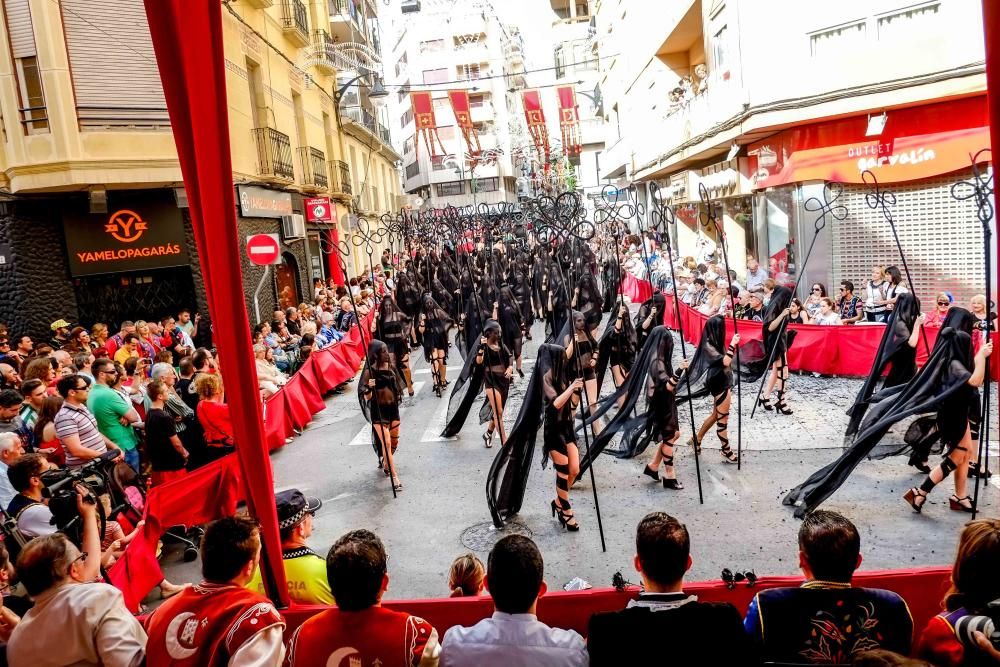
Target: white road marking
[436,424]
[364,436]
[340,496]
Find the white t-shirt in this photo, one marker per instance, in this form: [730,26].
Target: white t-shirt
[830,318]
[7,491]
[35,521]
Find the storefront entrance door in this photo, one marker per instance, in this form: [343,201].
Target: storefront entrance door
[149,295]
[286,276]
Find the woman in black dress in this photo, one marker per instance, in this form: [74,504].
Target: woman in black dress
[583,353]
[434,326]
[392,326]
[649,317]
[379,396]
[776,338]
[587,299]
[508,313]
[617,348]
[661,390]
[496,359]
[710,373]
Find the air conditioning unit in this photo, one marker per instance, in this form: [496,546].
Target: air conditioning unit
[293,226]
[410,6]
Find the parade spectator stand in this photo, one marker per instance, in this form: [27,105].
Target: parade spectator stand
[214,490]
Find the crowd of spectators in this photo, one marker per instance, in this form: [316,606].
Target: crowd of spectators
[66,618]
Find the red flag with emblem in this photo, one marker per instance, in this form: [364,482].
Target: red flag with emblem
[533,113]
[569,119]
[463,117]
[426,124]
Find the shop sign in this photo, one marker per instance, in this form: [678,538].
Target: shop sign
[258,202]
[145,235]
[917,143]
[319,209]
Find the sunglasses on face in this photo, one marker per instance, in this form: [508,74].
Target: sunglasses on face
[816,289]
[944,303]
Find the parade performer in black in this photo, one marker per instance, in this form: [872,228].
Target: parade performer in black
[379,397]
[649,317]
[434,325]
[945,386]
[897,350]
[777,340]
[507,312]
[584,353]
[710,373]
[587,299]
[490,368]
[617,348]
[392,326]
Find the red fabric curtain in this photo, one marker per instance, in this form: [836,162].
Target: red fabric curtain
[991,22]
[187,39]
[333,269]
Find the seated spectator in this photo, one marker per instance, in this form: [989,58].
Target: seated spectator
[940,311]
[74,621]
[167,454]
[513,635]
[293,320]
[44,436]
[129,348]
[797,313]
[306,345]
[768,288]
[29,507]
[10,406]
[328,333]
[269,378]
[10,450]
[827,316]
[826,620]
[756,312]
[305,570]
[359,626]
[850,307]
[975,582]
[743,306]
[816,294]
[219,621]
[687,632]
[345,318]
[213,415]
[467,576]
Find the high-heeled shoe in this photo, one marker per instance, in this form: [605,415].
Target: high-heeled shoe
[652,473]
[672,483]
[488,439]
[780,406]
[911,497]
[958,504]
[520,372]
[765,403]
[976,471]
[728,454]
[396,484]
[567,521]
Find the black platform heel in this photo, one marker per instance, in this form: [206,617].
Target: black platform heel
[765,403]
[976,471]
[912,496]
[567,521]
[671,483]
[780,406]
[650,472]
[957,504]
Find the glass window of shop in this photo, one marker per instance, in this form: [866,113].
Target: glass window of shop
[784,229]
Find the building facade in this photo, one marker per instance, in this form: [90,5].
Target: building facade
[693,95]
[93,223]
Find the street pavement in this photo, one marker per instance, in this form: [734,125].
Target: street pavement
[441,511]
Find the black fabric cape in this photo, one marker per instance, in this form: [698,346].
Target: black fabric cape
[708,361]
[893,349]
[657,303]
[508,475]
[754,355]
[626,341]
[435,327]
[468,388]
[652,369]
[942,380]
[589,300]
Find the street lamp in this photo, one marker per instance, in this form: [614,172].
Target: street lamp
[378,93]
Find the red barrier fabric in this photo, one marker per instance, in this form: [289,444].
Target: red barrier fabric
[991,24]
[636,290]
[214,490]
[922,588]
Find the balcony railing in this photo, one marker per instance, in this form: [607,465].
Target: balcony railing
[340,175]
[274,153]
[322,52]
[363,117]
[295,21]
[313,163]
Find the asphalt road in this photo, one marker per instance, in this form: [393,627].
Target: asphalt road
[442,513]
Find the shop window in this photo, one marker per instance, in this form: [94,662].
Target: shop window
[412,169]
[432,76]
[839,39]
[450,189]
[29,81]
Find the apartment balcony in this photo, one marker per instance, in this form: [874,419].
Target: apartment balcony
[513,51]
[274,154]
[322,57]
[340,178]
[295,22]
[362,117]
[313,164]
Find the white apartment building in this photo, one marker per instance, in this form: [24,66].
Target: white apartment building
[766,102]
[444,46]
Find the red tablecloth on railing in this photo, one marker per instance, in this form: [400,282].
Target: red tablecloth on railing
[214,490]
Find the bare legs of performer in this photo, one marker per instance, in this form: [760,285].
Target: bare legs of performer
[438,370]
[719,418]
[956,461]
[567,470]
[779,378]
[404,367]
[496,423]
[388,442]
[665,455]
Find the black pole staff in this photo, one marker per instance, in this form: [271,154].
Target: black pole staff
[878,198]
[343,252]
[831,193]
[707,216]
[603,217]
[659,215]
[981,192]
[578,230]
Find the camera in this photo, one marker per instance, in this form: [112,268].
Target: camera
[986,624]
[60,489]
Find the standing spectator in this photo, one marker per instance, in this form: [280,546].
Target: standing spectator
[83,362]
[942,305]
[733,281]
[9,379]
[149,345]
[305,571]
[19,353]
[76,427]
[975,582]
[875,296]
[826,620]
[827,315]
[128,349]
[513,635]
[768,289]
[756,275]
[34,397]
[346,318]
[743,306]
[64,362]
[10,406]
[187,325]
[895,287]
[60,334]
[697,633]
[977,305]
[11,449]
[850,307]
[79,340]
[114,343]
[74,621]
[359,626]
[219,622]
[41,369]
[44,437]
[114,414]
[167,454]
[98,336]
[467,576]
[213,415]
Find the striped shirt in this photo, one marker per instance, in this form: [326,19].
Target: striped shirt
[72,420]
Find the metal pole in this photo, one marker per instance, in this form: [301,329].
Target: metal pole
[256,292]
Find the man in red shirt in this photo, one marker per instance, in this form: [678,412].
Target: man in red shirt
[219,622]
[360,631]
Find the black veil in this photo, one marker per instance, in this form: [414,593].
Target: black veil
[754,355]
[626,344]
[708,360]
[657,303]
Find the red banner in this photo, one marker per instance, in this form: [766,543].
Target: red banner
[462,108]
[918,142]
[569,119]
[533,113]
[425,121]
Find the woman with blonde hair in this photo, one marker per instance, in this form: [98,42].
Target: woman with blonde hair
[98,335]
[467,576]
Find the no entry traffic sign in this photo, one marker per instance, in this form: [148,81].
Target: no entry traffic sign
[263,249]
[319,209]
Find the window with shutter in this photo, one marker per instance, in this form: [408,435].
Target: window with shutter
[115,78]
[33,114]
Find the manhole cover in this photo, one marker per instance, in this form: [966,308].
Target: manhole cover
[482,536]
